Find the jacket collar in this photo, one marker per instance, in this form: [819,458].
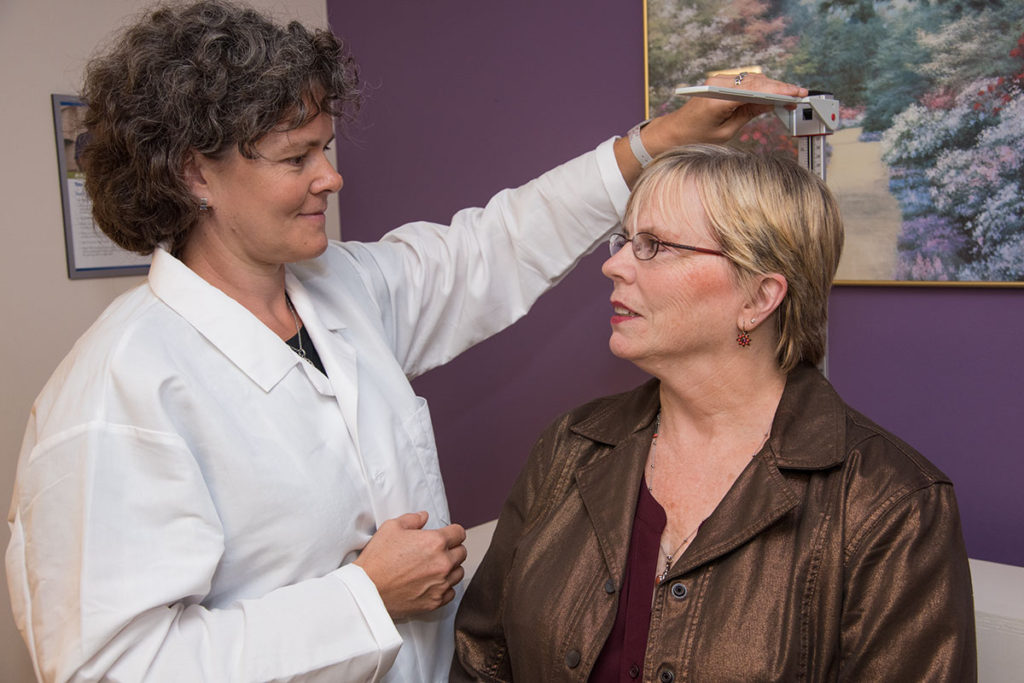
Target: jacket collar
[807,434]
[808,431]
[224,322]
[614,419]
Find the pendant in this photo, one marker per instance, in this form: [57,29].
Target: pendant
[301,353]
[668,565]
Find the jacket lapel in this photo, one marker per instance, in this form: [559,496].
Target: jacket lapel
[758,499]
[602,485]
[761,495]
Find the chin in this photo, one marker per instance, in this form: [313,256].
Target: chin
[313,249]
[320,248]
[621,349]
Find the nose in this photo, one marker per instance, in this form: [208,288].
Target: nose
[621,265]
[328,179]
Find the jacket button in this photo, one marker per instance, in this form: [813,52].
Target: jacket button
[609,586]
[572,659]
[634,671]
[678,591]
[666,676]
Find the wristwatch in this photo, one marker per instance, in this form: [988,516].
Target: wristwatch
[637,146]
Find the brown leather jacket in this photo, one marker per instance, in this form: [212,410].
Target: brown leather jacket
[836,556]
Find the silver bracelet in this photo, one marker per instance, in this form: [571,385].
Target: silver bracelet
[637,146]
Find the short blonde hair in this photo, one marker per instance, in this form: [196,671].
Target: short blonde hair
[767,214]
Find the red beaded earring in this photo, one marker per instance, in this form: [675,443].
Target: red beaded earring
[743,338]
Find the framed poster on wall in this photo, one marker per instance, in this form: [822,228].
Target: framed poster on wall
[928,162]
[90,253]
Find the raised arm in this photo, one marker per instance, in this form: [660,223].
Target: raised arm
[701,120]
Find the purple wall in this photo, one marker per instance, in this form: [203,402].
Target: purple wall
[469,97]
[942,368]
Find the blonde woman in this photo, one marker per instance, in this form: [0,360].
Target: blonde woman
[732,519]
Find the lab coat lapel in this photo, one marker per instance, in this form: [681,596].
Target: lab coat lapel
[338,356]
[224,322]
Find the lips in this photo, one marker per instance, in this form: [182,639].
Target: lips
[622,313]
[622,309]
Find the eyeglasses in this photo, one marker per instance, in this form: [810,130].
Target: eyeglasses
[646,245]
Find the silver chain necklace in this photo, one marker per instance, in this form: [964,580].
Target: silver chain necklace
[650,489]
[298,331]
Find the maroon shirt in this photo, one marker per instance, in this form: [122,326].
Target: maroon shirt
[622,659]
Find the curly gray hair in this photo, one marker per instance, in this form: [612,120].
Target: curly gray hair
[199,78]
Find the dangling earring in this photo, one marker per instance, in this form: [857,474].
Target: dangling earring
[204,204]
[743,338]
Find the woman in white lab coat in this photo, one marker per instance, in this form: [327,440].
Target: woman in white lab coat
[229,477]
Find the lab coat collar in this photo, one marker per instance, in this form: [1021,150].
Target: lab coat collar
[224,322]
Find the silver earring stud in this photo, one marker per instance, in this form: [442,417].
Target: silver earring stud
[204,204]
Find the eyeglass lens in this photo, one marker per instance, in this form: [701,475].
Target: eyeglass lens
[645,245]
[615,243]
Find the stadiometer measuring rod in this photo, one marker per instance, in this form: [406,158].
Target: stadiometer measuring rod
[813,117]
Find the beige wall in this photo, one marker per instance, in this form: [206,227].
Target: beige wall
[43,46]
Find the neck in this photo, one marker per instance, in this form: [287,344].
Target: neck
[728,410]
[257,287]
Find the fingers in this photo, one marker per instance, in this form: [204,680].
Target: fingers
[758,82]
[454,534]
[413,568]
[458,554]
[412,520]
[455,576]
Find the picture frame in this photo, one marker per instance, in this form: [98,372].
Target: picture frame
[928,161]
[89,252]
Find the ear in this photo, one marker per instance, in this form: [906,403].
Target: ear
[766,293]
[193,169]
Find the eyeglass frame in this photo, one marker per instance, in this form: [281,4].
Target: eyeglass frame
[658,243]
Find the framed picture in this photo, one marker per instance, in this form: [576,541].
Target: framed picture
[928,161]
[90,253]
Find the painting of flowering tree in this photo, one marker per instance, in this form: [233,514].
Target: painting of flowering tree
[928,164]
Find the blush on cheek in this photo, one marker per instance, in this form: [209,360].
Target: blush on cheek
[707,281]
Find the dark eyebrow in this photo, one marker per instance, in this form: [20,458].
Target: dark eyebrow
[298,145]
[312,143]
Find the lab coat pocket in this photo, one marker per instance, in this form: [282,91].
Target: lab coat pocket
[420,431]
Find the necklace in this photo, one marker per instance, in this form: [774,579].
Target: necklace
[668,556]
[654,452]
[298,331]
[650,488]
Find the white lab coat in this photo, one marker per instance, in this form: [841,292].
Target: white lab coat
[190,494]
